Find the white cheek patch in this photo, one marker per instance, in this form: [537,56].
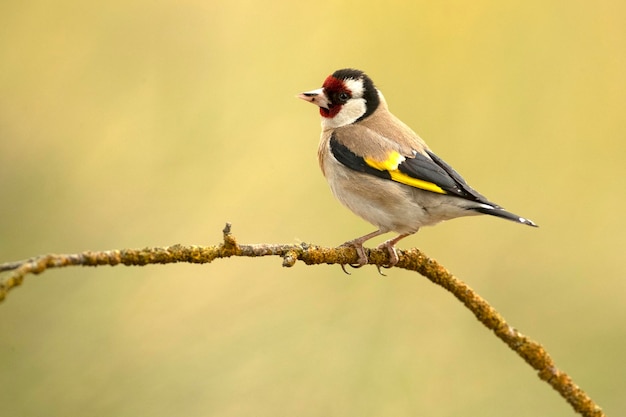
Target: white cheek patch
[355,87]
[349,113]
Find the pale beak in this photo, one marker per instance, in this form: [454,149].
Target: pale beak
[316,97]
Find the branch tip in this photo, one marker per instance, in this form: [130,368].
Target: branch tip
[229,246]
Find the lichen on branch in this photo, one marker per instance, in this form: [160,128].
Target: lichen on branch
[413,259]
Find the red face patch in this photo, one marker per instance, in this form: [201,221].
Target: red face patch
[334,84]
[330,113]
[332,87]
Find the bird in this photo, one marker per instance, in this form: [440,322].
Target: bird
[381,170]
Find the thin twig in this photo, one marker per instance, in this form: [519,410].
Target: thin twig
[532,352]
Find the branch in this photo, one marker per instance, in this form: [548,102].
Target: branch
[414,260]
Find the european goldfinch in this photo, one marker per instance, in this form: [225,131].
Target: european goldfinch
[382,170]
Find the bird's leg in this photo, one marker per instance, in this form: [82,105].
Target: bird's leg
[357,244]
[390,246]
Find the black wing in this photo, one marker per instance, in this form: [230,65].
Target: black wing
[429,173]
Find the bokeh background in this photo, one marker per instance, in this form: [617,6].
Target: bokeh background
[139,123]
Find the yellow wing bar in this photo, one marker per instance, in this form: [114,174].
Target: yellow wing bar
[391,164]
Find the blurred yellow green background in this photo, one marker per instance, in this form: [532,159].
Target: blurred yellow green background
[140,123]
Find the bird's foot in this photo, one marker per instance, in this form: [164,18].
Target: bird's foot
[360,251]
[389,245]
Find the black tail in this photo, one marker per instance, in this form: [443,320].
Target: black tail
[498,212]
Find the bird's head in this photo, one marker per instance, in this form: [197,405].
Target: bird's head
[347,96]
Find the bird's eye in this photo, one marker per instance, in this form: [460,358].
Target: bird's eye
[343,97]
